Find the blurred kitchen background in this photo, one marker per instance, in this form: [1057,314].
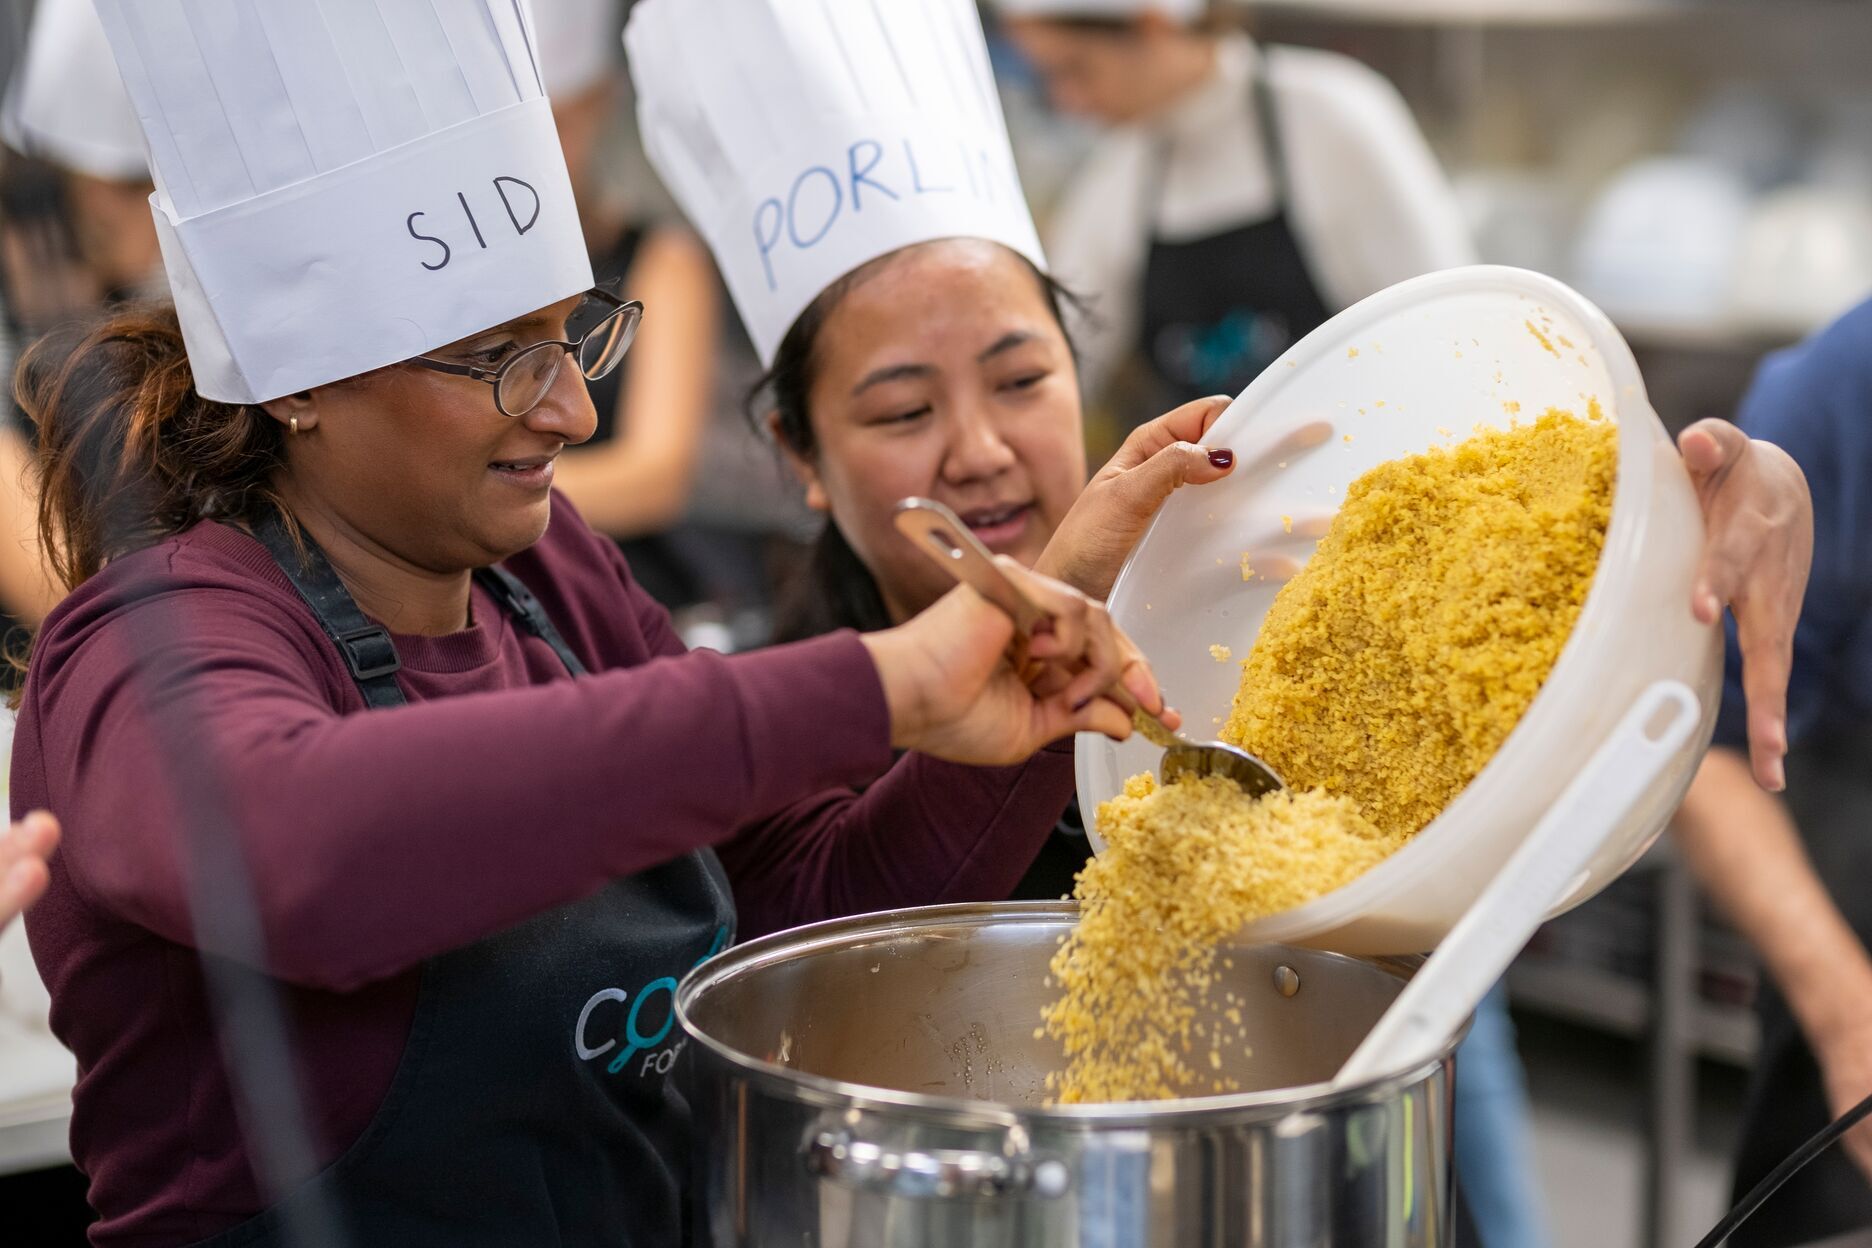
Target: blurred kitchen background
[1700,168]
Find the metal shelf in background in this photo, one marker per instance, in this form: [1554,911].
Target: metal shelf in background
[1621,1006]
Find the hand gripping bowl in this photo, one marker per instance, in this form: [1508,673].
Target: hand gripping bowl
[1416,366]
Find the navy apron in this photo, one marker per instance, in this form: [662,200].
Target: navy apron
[1829,794]
[533,1103]
[1218,310]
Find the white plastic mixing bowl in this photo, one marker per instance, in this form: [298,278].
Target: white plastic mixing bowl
[1417,366]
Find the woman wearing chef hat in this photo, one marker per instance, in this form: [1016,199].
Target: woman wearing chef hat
[1243,195]
[861,200]
[342,698]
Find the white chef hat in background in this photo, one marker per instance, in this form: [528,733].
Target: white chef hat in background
[805,139]
[343,184]
[66,103]
[1180,10]
[578,42]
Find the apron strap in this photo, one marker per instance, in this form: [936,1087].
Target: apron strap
[365,646]
[1267,114]
[1267,121]
[512,593]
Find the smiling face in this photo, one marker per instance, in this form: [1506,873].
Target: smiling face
[423,466]
[943,372]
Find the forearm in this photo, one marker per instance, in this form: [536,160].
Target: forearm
[375,840]
[1747,853]
[927,833]
[27,587]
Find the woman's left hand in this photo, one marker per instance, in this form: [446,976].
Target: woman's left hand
[1759,545]
[1097,535]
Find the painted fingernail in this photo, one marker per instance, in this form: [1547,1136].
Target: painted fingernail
[1222,459]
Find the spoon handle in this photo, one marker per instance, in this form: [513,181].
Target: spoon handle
[940,534]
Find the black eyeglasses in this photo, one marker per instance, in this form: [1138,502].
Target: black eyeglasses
[525,378]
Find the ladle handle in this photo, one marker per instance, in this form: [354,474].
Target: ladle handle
[1540,874]
[939,533]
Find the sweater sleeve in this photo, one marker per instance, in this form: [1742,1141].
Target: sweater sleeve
[375,840]
[929,832]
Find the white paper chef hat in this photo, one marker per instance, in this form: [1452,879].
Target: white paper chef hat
[66,103]
[1181,10]
[804,139]
[578,42]
[342,184]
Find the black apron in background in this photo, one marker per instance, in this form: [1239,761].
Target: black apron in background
[1218,310]
[532,1104]
[1829,794]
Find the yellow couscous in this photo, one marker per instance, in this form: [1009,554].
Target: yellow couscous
[1185,865]
[1387,673]
[1392,667]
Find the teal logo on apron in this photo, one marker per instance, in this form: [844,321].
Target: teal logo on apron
[635,1040]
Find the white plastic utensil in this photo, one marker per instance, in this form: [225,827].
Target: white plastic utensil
[1542,871]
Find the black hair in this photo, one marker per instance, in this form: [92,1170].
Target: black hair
[838,590]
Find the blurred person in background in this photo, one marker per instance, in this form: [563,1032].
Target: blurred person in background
[1792,874]
[75,234]
[1241,195]
[632,480]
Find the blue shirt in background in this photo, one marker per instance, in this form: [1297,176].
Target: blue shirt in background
[1815,402]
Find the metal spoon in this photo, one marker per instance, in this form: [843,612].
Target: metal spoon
[940,534]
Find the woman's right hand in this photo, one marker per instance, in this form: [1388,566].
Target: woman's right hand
[953,694]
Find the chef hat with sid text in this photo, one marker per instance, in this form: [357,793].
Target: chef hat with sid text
[1177,10]
[344,184]
[804,140]
[66,103]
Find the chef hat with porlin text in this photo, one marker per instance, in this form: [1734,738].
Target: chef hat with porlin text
[805,139]
[343,184]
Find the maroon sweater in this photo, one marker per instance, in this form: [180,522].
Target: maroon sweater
[378,840]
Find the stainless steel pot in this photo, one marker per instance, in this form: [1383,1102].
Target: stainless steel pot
[876,1083]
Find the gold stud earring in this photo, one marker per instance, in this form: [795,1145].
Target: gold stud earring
[293,423]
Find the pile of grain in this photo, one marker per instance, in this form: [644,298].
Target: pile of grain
[1185,865]
[1386,675]
[1393,666]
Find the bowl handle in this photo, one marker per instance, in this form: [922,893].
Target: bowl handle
[1544,870]
[937,1173]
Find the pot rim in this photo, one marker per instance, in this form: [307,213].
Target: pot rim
[836,933]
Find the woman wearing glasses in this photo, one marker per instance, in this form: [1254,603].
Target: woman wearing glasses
[342,694]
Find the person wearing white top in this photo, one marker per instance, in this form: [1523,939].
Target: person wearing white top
[1242,195]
